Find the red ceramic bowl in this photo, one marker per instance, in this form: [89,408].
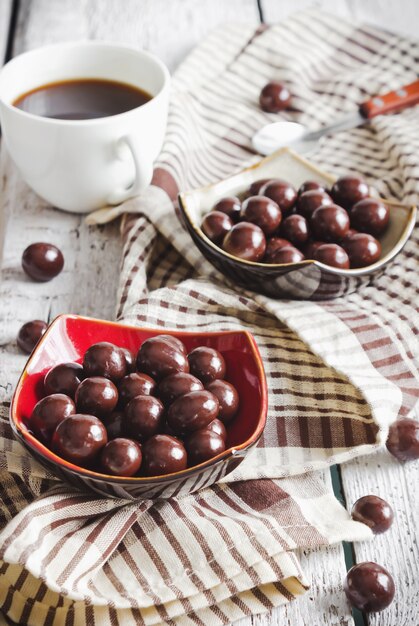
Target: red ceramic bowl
[69,336]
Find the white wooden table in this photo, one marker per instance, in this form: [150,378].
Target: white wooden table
[88,284]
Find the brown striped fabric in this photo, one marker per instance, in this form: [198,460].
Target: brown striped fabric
[338,371]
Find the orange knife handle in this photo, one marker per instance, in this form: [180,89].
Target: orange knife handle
[390,102]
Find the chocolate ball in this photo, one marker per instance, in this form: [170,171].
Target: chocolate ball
[369,587]
[216,426]
[285,255]
[114,424]
[370,216]
[63,378]
[192,411]
[231,206]
[206,364]
[129,360]
[203,445]
[245,241]
[177,343]
[263,212]
[333,255]
[29,335]
[330,223]
[362,249]
[374,512]
[159,357]
[79,438]
[348,190]
[256,186]
[96,396]
[42,261]
[311,185]
[311,247]
[280,192]
[163,454]
[274,97]
[121,457]
[274,244]
[177,385]
[135,384]
[49,412]
[143,417]
[403,439]
[105,359]
[295,229]
[309,201]
[216,225]
[228,399]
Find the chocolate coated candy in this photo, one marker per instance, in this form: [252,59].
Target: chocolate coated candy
[274,97]
[286,254]
[135,384]
[403,439]
[121,457]
[231,206]
[63,378]
[159,357]
[206,364]
[370,216]
[96,396]
[245,241]
[374,512]
[202,445]
[295,229]
[274,244]
[42,261]
[144,417]
[263,212]
[362,249]
[311,247]
[348,190]
[216,225]
[105,359]
[309,201]
[79,438]
[330,223]
[369,587]
[177,385]
[216,426]
[228,399]
[177,343]
[163,454]
[333,255]
[129,359]
[256,186]
[311,185]
[50,411]
[192,411]
[114,424]
[29,335]
[280,192]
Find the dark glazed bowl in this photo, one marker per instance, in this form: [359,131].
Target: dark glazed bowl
[68,337]
[307,280]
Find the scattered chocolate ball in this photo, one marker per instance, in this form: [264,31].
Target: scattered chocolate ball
[144,417]
[114,424]
[403,439]
[245,241]
[216,225]
[177,385]
[203,445]
[333,255]
[256,186]
[121,457]
[79,438]
[216,426]
[274,244]
[163,454]
[348,190]
[330,223]
[29,335]
[96,396]
[311,185]
[159,357]
[362,249]
[369,587]
[63,378]
[129,360]
[280,192]
[135,384]
[228,399]
[373,511]
[105,359]
[370,216]
[42,261]
[311,200]
[286,254]
[295,229]
[206,364]
[192,411]
[263,212]
[49,412]
[231,206]
[274,97]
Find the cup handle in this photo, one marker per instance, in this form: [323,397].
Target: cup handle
[143,174]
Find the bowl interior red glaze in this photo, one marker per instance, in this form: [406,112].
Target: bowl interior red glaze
[69,336]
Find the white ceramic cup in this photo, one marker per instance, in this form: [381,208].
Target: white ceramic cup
[82,165]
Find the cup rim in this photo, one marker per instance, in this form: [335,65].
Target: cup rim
[86,43]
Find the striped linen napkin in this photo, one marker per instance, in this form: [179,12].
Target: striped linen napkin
[338,371]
